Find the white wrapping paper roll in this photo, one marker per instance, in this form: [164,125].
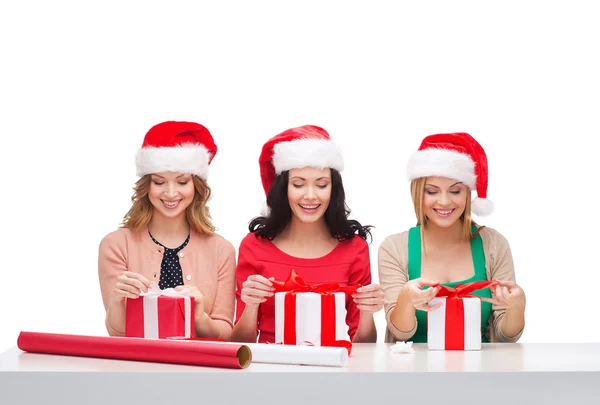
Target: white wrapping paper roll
[298,355]
[301,355]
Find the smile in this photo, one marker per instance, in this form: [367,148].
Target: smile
[171,204]
[444,213]
[309,207]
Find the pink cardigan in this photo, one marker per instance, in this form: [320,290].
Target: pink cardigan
[208,262]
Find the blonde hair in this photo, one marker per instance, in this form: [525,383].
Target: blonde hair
[197,213]
[417,191]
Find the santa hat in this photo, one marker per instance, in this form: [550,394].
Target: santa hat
[176,146]
[457,156]
[305,146]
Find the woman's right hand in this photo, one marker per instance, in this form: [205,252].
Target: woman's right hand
[256,289]
[419,297]
[130,285]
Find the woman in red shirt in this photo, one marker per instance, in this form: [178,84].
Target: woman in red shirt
[306,228]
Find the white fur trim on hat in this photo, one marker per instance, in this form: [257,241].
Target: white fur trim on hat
[482,207]
[192,159]
[319,153]
[443,163]
[265,210]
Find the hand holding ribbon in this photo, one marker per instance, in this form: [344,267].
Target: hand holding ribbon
[507,294]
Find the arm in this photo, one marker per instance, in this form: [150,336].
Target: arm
[112,262]
[219,323]
[361,324]
[393,275]
[508,323]
[247,316]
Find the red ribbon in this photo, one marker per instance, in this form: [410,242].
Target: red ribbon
[295,284]
[455,310]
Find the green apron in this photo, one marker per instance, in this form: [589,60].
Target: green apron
[414,271]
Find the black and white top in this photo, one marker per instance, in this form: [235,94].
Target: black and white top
[171,274]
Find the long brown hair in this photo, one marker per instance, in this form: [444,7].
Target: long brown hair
[417,191]
[197,213]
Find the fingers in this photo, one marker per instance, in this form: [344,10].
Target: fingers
[367,288]
[252,299]
[137,276]
[256,289]
[134,279]
[369,298]
[126,290]
[508,284]
[423,282]
[491,301]
[258,279]
[258,286]
[428,308]
[502,293]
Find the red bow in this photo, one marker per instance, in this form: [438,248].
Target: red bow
[295,283]
[463,290]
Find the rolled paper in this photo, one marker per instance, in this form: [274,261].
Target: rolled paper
[300,355]
[194,353]
[292,354]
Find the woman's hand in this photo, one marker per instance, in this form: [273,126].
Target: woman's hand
[192,291]
[130,285]
[369,298]
[507,294]
[419,298]
[256,289]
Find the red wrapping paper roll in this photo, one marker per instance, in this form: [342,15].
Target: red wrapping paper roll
[122,348]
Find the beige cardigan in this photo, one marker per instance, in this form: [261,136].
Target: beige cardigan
[393,274]
[207,262]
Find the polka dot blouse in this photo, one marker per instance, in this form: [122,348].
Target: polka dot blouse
[171,274]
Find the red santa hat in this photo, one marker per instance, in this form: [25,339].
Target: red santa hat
[295,148]
[176,146]
[457,156]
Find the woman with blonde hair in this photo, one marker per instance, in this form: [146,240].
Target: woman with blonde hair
[167,238]
[447,247]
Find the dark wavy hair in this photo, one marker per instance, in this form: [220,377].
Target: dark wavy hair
[336,215]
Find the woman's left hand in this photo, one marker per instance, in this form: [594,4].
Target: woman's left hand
[507,294]
[192,291]
[369,298]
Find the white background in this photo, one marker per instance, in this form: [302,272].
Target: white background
[80,85]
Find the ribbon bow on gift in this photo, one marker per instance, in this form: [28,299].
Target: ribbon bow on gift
[295,284]
[464,290]
[155,291]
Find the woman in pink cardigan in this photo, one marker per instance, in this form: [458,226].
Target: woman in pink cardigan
[167,238]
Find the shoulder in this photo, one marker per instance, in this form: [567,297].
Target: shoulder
[492,239]
[252,241]
[396,242]
[119,237]
[215,243]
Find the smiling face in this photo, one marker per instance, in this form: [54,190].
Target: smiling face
[171,193]
[309,193]
[444,200]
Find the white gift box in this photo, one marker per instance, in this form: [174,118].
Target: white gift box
[308,318]
[467,325]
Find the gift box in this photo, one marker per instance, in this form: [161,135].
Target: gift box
[456,325]
[313,315]
[160,314]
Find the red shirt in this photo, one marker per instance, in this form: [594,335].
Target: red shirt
[347,264]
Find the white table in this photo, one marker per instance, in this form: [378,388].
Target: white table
[499,373]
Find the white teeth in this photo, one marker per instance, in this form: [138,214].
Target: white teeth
[171,203]
[444,212]
[309,207]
